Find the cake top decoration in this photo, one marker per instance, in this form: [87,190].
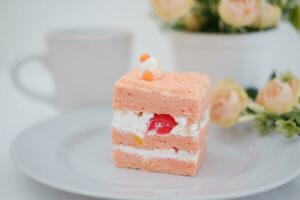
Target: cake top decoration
[149,67]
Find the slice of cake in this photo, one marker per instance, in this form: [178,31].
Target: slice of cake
[160,120]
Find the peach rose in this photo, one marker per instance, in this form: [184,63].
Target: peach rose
[228,101]
[268,16]
[238,13]
[171,10]
[279,96]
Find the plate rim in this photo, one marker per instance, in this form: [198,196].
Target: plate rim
[88,193]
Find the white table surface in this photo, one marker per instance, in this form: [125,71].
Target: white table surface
[22,26]
[18,113]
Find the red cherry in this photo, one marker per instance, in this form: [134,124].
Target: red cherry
[161,123]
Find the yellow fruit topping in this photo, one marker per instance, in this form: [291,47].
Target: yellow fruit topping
[138,140]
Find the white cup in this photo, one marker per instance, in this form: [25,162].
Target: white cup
[84,64]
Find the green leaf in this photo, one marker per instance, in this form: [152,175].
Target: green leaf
[265,123]
[273,75]
[250,111]
[288,127]
[294,115]
[179,26]
[295,17]
[252,92]
[287,77]
[287,124]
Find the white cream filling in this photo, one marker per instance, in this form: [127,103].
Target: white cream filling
[129,121]
[159,153]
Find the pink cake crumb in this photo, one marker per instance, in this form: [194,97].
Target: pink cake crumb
[177,94]
[170,166]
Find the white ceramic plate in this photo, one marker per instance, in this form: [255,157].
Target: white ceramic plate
[73,153]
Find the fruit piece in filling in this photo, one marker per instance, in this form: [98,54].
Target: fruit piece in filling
[161,123]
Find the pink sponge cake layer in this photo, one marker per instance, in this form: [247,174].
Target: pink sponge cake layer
[190,144]
[154,164]
[177,94]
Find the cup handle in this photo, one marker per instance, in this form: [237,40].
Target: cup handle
[15,77]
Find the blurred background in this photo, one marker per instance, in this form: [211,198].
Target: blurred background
[23,28]
[23,25]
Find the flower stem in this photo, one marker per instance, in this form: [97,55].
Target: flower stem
[246,118]
[256,107]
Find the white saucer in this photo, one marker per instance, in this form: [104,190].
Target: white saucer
[73,153]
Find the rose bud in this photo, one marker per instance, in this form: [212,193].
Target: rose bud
[228,101]
[280,95]
[268,16]
[238,13]
[170,10]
